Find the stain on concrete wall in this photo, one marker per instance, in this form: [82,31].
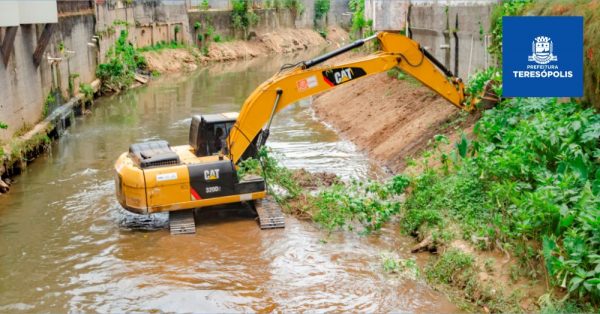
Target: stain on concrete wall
[432,24]
[147,22]
[269,20]
[24,87]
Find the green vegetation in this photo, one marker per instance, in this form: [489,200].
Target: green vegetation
[162,45]
[371,204]
[336,207]
[360,26]
[205,32]
[204,6]
[321,9]
[407,268]
[72,78]
[121,23]
[590,10]
[21,150]
[449,266]
[123,61]
[49,104]
[531,173]
[275,174]
[296,6]
[507,8]
[459,270]
[177,30]
[242,16]
[480,79]
[87,91]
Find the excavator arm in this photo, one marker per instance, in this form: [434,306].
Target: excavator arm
[307,79]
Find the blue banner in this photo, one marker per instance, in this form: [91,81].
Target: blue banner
[542,56]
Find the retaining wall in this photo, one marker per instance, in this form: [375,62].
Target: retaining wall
[24,87]
[147,22]
[269,20]
[431,20]
[338,14]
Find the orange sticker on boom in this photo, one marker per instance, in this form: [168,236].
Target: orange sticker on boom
[307,83]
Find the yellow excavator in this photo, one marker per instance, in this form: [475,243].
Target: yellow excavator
[156,177]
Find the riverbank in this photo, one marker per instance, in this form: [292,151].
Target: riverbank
[391,120]
[498,236]
[279,42]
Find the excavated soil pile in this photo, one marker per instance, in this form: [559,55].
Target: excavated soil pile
[282,41]
[388,118]
[172,60]
[314,180]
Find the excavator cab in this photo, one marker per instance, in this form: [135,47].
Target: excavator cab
[208,133]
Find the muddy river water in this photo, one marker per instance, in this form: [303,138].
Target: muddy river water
[65,244]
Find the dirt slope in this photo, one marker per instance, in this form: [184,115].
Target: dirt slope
[281,41]
[390,119]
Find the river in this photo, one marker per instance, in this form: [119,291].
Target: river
[65,244]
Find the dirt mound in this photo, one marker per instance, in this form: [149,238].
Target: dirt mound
[281,41]
[171,60]
[388,118]
[314,180]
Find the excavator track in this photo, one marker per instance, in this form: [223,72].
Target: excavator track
[182,222]
[269,214]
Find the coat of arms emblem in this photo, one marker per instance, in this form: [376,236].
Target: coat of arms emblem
[541,49]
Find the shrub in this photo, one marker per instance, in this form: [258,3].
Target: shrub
[242,16]
[124,60]
[321,9]
[531,173]
[506,8]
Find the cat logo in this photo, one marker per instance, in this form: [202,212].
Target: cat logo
[339,76]
[211,175]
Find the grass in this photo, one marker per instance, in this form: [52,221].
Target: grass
[162,45]
[21,150]
[49,104]
[337,207]
[370,204]
[406,268]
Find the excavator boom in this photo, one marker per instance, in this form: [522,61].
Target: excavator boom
[308,78]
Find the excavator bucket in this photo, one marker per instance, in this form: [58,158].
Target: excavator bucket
[488,98]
